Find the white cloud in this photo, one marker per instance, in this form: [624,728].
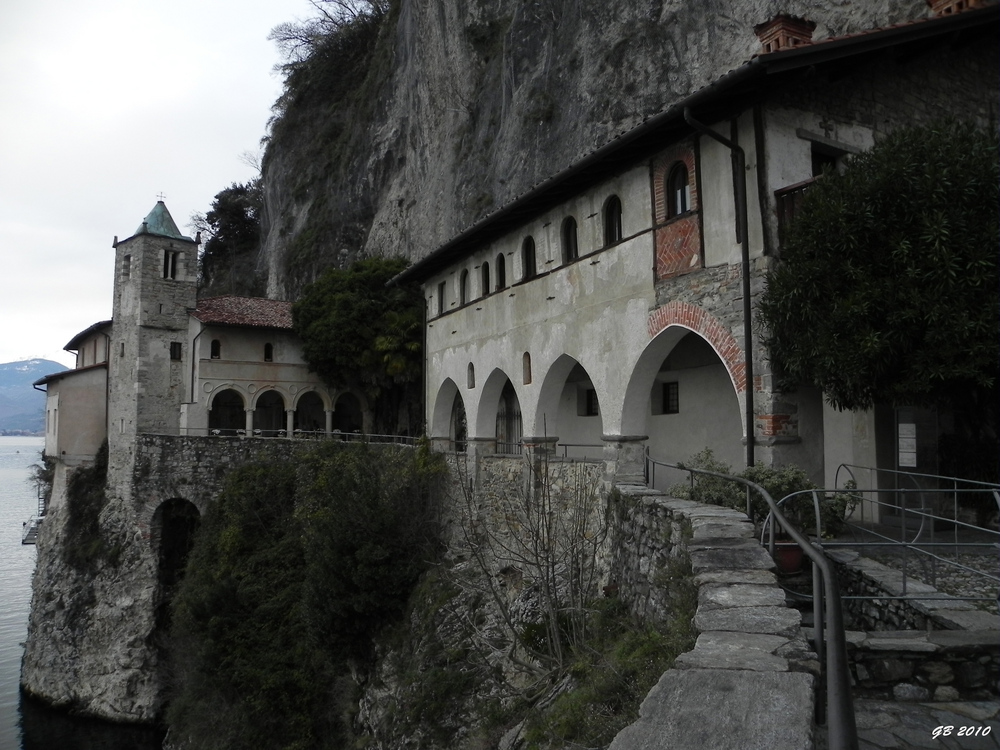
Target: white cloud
[106,104]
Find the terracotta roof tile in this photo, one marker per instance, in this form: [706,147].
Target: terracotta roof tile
[244,311]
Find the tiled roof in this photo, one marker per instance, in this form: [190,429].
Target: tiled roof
[244,311]
[76,341]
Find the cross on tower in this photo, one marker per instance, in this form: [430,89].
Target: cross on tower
[160,196]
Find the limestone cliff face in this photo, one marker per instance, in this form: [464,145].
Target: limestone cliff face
[478,100]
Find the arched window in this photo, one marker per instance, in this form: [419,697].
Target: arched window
[612,220]
[486,279]
[227,414]
[470,378]
[501,273]
[678,191]
[216,349]
[570,249]
[526,368]
[528,258]
[268,352]
[463,288]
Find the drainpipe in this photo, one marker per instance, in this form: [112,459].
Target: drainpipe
[740,190]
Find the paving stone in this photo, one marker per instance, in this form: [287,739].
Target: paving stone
[763,577]
[763,710]
[774,620]
[739,595]
[749,558]
[900,644]
[968,620]
[723,650]
[959,639]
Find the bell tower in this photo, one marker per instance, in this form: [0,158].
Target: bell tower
[155,286]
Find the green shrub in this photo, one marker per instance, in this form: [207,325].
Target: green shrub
[778,481]
[295,568]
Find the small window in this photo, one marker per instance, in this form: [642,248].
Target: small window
[127,267]
[671,398]
[528,258]
[501,272]
[216,349]
[570,249]
[612,220]
[470,381]
[268,352]
[526,368]
[463,288]
[122,352]
[590,408]
[441,289]
[175,350]
[486,279]
[678,191]
[170,264]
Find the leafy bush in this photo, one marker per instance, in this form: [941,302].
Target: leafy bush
[779,481]
[294,570]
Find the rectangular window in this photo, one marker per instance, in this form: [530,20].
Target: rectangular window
[175,350]
[127,267]
[441,288]
[591,406]
[671,398]
[170,264]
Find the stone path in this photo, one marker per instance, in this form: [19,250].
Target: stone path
[887,725]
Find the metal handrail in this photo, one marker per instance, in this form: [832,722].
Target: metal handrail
[832,650]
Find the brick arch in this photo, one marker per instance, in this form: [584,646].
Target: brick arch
[709,328]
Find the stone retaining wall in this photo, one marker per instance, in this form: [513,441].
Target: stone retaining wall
[750,679]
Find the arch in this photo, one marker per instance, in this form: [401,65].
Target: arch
[310,413]
[691,348]
[612,220]
[485,279]
[463,288]
[568,236]
[172,533]
[508,429]
[492,390]
[227,412]
[348,413]
[568,406]
[678,190]
[528,264]
[269,413]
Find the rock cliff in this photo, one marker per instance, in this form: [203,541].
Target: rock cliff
[462,105]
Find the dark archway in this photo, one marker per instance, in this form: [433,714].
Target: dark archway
[347,414]
[310,414]
[269,414]
[228,413]
[508,421]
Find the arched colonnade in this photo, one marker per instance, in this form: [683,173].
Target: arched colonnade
[680,391]
[275,411]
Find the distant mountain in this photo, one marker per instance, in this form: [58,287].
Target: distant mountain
[22,408]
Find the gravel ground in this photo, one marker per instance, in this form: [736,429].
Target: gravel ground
[950,579]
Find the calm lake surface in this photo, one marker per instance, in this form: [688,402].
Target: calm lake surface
[26,725]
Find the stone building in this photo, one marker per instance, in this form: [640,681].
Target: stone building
[609,311]
[168,363]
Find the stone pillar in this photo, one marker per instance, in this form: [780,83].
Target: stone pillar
[248,424]
[290,422]
[625,458]
[329,421]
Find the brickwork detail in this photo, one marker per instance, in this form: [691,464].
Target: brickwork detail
[678,239]
[709,328]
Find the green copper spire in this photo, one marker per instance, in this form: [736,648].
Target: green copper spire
[160,222]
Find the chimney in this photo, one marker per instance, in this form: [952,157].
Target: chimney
[786,32]
[947,7]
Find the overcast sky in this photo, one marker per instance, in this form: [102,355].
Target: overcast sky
[104,105]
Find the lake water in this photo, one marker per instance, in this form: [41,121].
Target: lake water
[26,724]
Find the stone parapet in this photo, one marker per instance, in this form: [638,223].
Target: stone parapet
[750,679]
